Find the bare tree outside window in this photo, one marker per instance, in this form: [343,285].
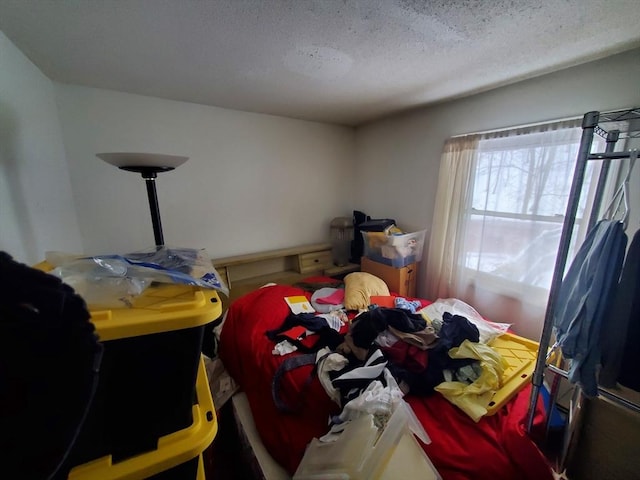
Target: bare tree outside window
[519,195]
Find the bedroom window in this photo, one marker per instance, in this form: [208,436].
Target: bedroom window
[519,191]
[498,217]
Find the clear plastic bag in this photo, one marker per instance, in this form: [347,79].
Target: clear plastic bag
[488,330]
[376,399]
[114,280]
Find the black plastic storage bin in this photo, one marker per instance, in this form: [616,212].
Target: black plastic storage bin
[376,225]
[157,371]
[147,379]
[178,456]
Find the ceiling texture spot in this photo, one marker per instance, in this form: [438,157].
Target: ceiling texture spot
[323,63]
[339,61]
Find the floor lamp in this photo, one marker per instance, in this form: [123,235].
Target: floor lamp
[148,165]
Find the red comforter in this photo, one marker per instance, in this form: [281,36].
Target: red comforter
[495,448]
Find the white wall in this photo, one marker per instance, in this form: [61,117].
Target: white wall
[398,157]
[253,182]
[37,212]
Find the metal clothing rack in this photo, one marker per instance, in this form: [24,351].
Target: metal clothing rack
[623,125]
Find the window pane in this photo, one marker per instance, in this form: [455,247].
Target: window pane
[516,250]
[526,180]
[520,193]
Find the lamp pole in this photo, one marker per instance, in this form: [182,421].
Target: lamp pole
[150,174]
[155,209]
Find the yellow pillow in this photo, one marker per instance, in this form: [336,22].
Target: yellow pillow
[359,287]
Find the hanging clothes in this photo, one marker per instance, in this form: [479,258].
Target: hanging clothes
[631,359]
[619,343]
[584,297]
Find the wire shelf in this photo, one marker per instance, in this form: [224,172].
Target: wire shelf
[627,122]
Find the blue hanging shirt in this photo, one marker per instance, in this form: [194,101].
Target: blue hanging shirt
[583,299]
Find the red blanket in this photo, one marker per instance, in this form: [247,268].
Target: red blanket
[497,447]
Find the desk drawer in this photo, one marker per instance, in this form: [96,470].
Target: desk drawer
[315,261]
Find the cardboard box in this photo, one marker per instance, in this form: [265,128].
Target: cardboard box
[607,444]
[401,281]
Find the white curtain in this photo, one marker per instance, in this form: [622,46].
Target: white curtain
[456,168]
[498,215]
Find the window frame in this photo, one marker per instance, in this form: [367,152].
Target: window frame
[504,285]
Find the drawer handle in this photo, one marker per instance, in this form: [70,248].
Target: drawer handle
[316,260]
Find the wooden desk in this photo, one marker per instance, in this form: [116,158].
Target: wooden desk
[244,273]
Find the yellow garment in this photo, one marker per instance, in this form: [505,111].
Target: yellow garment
[474,398]
[426,318]
[376,239]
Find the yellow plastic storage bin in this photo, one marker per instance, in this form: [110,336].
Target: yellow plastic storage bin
[147,379]
[178,456]
[520,353]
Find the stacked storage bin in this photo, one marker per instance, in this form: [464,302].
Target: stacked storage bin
[396,250]
[152,415]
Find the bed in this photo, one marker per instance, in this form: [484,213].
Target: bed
[495,447]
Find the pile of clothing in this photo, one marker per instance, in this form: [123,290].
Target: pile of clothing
[385,353]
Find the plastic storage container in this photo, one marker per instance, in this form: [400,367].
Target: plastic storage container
[397,250]
[178,456]
[520,353]
[363,452]
[147,380]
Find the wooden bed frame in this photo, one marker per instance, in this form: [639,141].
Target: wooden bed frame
[244,273]
[261,464]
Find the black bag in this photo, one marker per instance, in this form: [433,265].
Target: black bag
[49,362]
[364,223]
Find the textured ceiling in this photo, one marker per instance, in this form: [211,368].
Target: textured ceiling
[341,61]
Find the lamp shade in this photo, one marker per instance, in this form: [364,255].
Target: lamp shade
[131,160]
[148,165]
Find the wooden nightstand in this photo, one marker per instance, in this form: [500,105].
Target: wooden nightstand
[399,280]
